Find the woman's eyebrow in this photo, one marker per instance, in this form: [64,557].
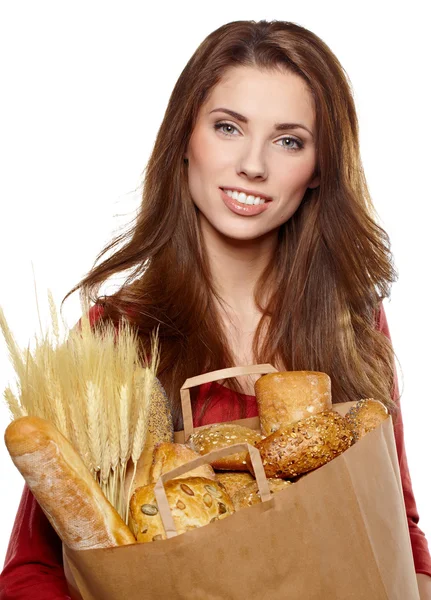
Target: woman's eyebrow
[277,126]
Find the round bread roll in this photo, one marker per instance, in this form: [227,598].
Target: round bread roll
[194,502]
[234,480]
[366,415]
[249,494]
[222,435]
[290,396]
[168,456]
[304,445]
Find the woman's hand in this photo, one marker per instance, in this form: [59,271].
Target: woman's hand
[424,585]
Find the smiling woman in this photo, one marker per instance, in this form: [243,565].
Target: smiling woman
[249,149]
[256,242]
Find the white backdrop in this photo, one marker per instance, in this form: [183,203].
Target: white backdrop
[85,86]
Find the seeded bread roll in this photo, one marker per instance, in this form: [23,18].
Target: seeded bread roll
[220,436]
[234,480]
[304,445]
[290,396]
[168,456]
[194,502]
[249,494]
[366,415]
[63,486]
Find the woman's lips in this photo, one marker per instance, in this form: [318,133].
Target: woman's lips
[245,210]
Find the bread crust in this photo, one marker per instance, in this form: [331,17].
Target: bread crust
[61,483]
[304,445]
[168,456]
[222,435]
[234,480]
[289,396]
[249,494]
[366,415]
[194,502]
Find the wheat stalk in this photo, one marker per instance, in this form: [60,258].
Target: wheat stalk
[54,318]
[94,388]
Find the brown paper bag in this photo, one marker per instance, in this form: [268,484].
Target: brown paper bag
[338,533]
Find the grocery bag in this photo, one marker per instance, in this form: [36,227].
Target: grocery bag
[338,533]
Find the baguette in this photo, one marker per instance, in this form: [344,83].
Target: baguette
[63,486]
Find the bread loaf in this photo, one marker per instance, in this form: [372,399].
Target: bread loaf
[249,494]
[304,445]
[194,502]
[365,416]
[61,483]
[168,456]
[234,480]
[289,396]
[222,435]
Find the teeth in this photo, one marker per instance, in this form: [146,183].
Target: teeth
[244,198]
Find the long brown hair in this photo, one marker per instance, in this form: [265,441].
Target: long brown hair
[333,264]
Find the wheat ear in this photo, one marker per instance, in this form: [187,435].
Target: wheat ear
[93,422]
[12,346]
[15,408]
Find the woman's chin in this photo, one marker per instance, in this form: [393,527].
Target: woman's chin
[235,232]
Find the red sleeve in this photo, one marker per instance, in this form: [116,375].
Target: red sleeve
[34,561]
[94,313]
[421,554]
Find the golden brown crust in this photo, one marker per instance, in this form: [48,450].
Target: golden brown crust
[249,494]
[366,415]
[304,445]
[289,396]
[223,435]
[234,480]
[61,483]
[168,456]
[194,502]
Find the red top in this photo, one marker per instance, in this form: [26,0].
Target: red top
[34,564]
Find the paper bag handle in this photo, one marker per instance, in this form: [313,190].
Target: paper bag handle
[160,493]
[208,378]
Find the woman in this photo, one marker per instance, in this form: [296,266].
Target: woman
[256,242]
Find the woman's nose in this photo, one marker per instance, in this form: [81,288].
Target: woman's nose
[252,163]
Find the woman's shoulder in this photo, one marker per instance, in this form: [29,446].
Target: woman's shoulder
[382,321]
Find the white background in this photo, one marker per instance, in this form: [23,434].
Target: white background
[84,89]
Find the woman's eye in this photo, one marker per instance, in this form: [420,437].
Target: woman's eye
[298,143]
[220,126]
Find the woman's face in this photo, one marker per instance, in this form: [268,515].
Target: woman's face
[250,151]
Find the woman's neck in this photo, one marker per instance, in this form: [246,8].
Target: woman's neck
[236,266]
